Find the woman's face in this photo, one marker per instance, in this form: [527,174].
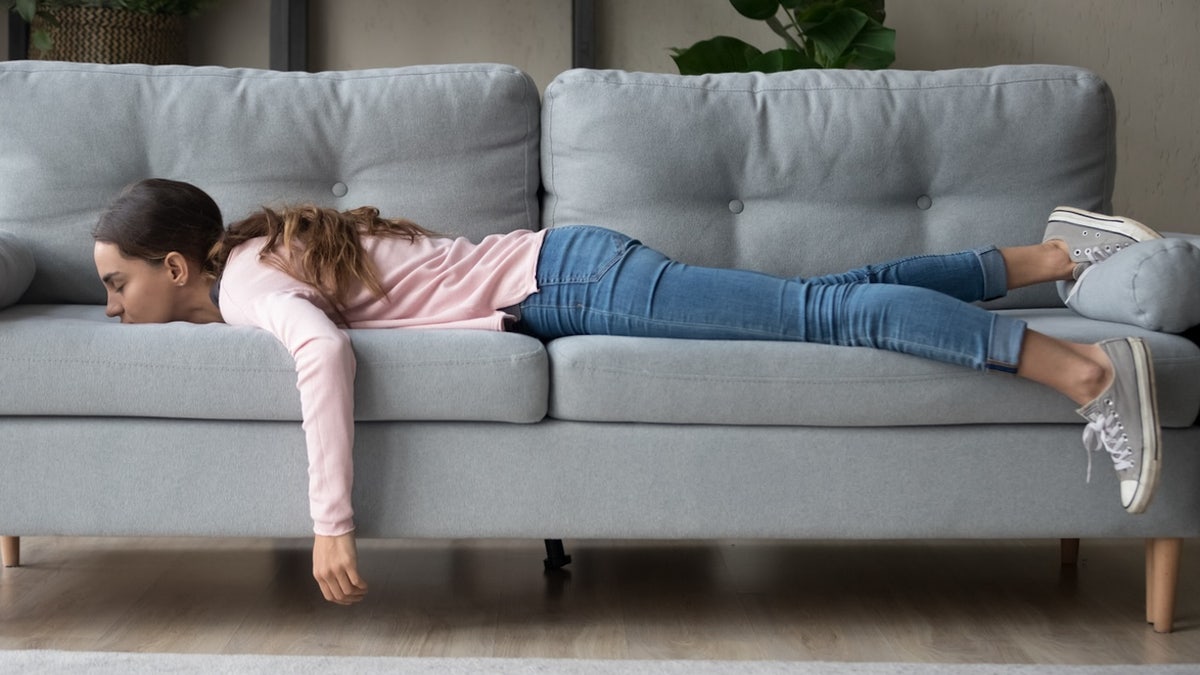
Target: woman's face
[138,291]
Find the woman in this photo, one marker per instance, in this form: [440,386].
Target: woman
[305,273]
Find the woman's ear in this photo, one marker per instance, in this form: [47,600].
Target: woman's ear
[176,267]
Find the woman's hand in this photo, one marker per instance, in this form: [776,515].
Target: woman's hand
[335,567]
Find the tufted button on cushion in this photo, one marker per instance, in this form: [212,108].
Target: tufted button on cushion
[736,206]
[339,189]
[924,202]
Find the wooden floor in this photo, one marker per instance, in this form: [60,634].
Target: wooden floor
[977,601]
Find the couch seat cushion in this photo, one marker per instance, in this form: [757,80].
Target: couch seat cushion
[72,360]
[767,383]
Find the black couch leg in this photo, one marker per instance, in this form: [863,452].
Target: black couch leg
[556,557]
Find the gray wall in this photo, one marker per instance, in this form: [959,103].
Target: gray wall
[1146,49]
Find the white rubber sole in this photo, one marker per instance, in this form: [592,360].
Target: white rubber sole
[1151,434]
[1118,224]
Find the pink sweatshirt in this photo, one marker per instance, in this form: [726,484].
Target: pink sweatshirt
[430,283]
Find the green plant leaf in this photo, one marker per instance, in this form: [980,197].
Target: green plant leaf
[722,54]
[873,9]
[817,34]
[813,12]
[799,4]
[759,10]
[779,60]
[41,41]
[26,8]
[833,37]
[873,48]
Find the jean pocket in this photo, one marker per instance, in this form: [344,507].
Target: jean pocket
[575,254]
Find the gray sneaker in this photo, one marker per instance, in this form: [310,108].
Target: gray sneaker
[1124,422]
[1092,237]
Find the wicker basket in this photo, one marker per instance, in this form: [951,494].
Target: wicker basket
[105,35]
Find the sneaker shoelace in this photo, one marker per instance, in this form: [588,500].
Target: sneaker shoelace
[1094,255]
[1097,254]
[1106,432]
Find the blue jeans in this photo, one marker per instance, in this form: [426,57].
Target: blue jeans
[593,281]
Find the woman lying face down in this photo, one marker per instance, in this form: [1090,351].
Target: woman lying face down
[306,273]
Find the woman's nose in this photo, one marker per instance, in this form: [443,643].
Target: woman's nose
[113,309]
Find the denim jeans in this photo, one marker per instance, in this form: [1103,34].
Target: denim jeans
[593,281]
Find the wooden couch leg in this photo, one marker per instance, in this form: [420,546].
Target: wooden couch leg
[1162,576]
[1149,581]
[10,551]
[1069,549]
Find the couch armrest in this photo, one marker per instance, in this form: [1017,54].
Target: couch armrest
[16,269]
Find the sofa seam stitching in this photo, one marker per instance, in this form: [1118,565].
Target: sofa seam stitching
[754,90]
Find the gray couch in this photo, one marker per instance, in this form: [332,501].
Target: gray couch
[476,434]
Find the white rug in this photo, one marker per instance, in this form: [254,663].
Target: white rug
[114,663]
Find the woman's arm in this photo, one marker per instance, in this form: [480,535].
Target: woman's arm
[325,368]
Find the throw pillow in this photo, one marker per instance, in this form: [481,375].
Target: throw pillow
[1155,285]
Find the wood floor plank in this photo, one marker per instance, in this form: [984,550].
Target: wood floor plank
[77,595]
[950,602]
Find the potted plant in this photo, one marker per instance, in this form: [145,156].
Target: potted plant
[816,34]
[107,31]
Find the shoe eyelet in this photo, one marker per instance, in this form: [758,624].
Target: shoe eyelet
[1085,233]
[1078,252]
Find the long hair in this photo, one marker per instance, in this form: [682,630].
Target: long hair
[324,246]
[153,217]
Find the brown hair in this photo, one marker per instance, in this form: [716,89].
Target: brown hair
[156,216]
[325,245]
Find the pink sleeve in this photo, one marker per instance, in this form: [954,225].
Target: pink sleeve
[325,369]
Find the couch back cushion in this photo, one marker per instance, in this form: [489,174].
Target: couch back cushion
[454,148]
[814,172]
